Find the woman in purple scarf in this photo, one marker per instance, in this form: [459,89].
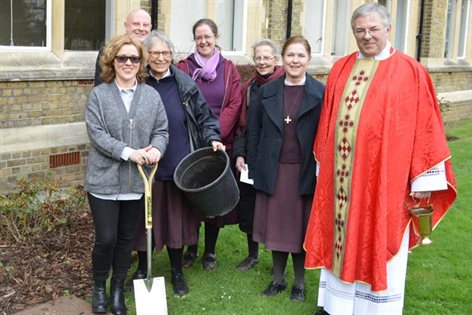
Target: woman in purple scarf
[219,81]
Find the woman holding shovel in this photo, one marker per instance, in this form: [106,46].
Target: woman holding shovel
[127,125]
[192,125]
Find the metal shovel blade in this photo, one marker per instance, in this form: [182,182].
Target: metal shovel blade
[153,301]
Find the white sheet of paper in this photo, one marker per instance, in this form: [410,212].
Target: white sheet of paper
[433,180]
[150,303]
[244,178]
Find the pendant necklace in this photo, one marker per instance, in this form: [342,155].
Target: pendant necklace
[295,101]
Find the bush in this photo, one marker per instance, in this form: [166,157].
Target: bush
[39,207]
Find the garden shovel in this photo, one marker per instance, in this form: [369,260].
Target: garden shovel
[149,293]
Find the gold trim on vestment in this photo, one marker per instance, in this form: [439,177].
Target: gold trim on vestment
[347,120]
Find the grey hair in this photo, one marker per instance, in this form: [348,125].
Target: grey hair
[267,42]
[368,8]
[155,37]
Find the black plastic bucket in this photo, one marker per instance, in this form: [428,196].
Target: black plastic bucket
[206,179]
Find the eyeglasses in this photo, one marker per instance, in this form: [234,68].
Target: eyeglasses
[124,59]
[164,53]
[373,31]
[264,58]
[204,37]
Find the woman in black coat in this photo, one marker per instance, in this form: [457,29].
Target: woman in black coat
[281,130]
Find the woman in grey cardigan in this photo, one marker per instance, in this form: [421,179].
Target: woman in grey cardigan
[127,125]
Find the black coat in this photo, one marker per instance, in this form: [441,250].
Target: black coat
[203,126]
[265,127]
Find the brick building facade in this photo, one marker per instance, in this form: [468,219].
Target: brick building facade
[43,93]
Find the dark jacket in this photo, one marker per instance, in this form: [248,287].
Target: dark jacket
[97,80]
[202,124]
[265,129]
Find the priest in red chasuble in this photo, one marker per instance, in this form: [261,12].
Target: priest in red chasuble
[380,149]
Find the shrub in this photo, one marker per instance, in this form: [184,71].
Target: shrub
[39,207]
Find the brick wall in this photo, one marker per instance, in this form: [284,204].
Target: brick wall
[458,111]
[447,81]
[433,28]
[277,21]
[35,163]
[36,103]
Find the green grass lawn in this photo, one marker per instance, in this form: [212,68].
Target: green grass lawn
[439,279]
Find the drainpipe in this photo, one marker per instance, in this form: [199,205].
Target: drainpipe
[419,37]
[289,19]
[154,6]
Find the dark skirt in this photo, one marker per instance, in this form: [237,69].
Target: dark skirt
[245,208]
[280,220]
[174,221]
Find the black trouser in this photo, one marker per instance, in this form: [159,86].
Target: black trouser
[115,227]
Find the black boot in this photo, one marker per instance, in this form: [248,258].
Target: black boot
[179,284]
[118,306]
[99,297]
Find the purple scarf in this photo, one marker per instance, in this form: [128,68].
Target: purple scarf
[207,72]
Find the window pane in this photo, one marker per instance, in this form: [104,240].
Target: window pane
[84,24]
[341,28]
[228,17]
[314,21]
[400,26]
[23,23]
[463,31]
[451,7]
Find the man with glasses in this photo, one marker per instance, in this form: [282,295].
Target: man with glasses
[381,150]
[138,24]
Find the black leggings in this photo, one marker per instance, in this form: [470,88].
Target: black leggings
[115,228]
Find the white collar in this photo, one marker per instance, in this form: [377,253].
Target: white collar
[384,54]
[133,88]
[167,74]
[301,82]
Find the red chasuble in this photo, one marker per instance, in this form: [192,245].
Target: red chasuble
[380,128]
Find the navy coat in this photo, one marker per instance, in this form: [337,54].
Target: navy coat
[265,128]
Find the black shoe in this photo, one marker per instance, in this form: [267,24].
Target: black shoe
[274,288]
[247,263]
[209,261]
[189,258]
[99,297]
[178,283]
[321,311]
[298,294]
[138,274]
[118,306]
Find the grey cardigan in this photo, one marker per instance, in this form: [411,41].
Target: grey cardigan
[110,129]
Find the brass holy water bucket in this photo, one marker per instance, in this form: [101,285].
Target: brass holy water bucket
[423,223]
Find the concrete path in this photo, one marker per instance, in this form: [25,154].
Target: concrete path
[66,305]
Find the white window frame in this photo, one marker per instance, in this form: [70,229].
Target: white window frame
[48,35]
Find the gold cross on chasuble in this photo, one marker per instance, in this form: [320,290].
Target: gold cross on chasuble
[347,120]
